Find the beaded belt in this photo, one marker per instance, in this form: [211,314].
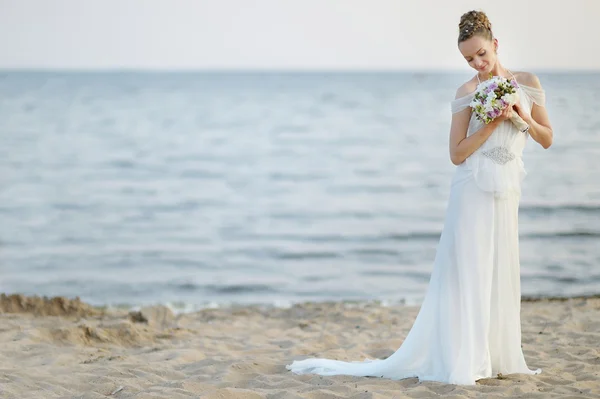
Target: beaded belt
[500,155]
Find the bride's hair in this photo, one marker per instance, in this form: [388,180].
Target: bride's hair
[474,23]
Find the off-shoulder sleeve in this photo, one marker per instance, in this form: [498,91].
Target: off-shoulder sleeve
[461,103]
[536,95]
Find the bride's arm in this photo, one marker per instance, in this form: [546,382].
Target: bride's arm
[461,146]
[539,123]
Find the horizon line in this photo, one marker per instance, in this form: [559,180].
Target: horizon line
[415,70]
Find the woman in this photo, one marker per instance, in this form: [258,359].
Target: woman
[468,326]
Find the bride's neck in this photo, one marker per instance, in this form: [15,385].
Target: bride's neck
[498,70]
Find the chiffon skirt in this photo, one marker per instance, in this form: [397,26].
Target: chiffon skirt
[468,326]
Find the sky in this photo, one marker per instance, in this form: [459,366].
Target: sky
[290,34]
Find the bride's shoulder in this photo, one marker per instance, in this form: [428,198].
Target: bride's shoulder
[467,88]
[528,79]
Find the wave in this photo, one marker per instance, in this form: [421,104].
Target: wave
[402,213]
[339,238]
[307,255]
[547,209]
[417,236]
[563,234]
[225,289]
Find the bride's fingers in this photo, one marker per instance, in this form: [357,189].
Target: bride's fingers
[518,109]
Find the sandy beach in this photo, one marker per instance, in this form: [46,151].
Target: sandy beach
[61,348]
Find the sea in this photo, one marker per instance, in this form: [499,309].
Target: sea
[219,188]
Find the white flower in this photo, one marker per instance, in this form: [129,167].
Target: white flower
[511,98]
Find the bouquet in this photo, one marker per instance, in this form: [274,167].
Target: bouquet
[493,96]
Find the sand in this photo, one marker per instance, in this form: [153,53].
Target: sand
[61,348]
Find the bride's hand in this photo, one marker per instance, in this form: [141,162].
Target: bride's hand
[521,112]
[506,114]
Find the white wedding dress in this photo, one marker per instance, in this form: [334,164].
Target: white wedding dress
[468,326]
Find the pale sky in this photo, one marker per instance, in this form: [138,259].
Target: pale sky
[290,34]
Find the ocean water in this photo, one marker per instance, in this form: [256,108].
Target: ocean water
[203,189]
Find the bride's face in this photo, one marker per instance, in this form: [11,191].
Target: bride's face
[480,53]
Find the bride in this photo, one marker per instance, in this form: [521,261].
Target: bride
[468,326]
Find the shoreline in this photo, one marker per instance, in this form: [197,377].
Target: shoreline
[64,348]
[43,305]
